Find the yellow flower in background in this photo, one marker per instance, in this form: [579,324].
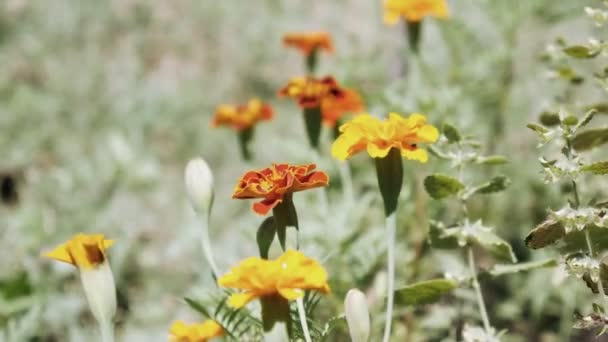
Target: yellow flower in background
[242,117]
[366,132]
[288,276]
[308,42]
[414,10]
[85,251]
[197,332]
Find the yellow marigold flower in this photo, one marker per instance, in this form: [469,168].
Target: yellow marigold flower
[198,332]
[310,91]
[308,42]
[242,117]
[414,10]
[83,251]
[275,182]
[333,108]
[288,276]
[366,132]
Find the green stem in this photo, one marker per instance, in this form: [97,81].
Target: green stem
[303,322]
[482,306]
[244,139]
[391,225]
[600,286]
[323,201]
[577,200]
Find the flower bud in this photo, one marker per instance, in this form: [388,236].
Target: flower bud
[199,185]
[357,315]
[100,290]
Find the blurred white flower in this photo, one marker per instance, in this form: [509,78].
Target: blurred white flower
[199,185]
[357,315]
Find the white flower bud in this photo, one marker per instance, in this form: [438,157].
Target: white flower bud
[199,185]
[357,315]
[100,290]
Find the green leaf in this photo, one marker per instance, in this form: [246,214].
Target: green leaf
[18,285]
[537,128]
[265,236]
[570,120]
[591,138]
[438,239]
[545,234]
[599,168]
[198,307]
[440,186]
[492,160]
[586,119]
[425,292]
[389,171]
[549,118]
[575,241]
[451,133]
[501,269]
[581,51]
[498,247]
[496,184]
[437,153]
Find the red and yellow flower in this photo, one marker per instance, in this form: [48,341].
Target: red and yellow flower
[85,251]
[277,181]
[378,137]
[242,117]
[287,276]
[334,108]
[414,10]
[308,42]
[310,92]
[197,332]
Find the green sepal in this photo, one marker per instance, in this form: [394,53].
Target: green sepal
[312,120]
[244,139]
[285,215]
[275,309]
[389,171]
[265,236]
[414,30]
[312,60]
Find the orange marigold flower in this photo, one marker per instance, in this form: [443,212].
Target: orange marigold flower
[308,42]
[242,117]
[310,91]
[85,251]
[333,108]
[366,132]
[288,276]
[198,332]
[414,10]
[273,183]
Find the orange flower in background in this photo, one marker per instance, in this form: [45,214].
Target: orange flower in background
[366,132]
[242,117]
[308,42]
[288,276]
[198,332]
[333,108]
[310,91]
[414,10]
[273,183]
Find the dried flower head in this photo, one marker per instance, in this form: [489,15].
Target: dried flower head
[287,276]
[276,181]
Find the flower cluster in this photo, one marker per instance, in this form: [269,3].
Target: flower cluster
[310,92]
[378,137]
[242,117]
[309,42]
[288,276]
[413,10]
[276,181]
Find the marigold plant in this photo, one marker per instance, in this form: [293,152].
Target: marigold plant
[275,182]
[85,251]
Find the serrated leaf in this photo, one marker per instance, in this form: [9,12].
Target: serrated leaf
[440,186]
[425,292]
[451,133]
[599,168]
[492,160]
[265,236]
[549,118]
[496,184]
[501,269]
[437,238]
[545,234]
[495,245]
[581,51]
[591,138]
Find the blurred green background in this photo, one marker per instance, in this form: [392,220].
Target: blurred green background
[102,103]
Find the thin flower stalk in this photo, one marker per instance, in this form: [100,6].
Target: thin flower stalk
[480,302]
[302,316]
